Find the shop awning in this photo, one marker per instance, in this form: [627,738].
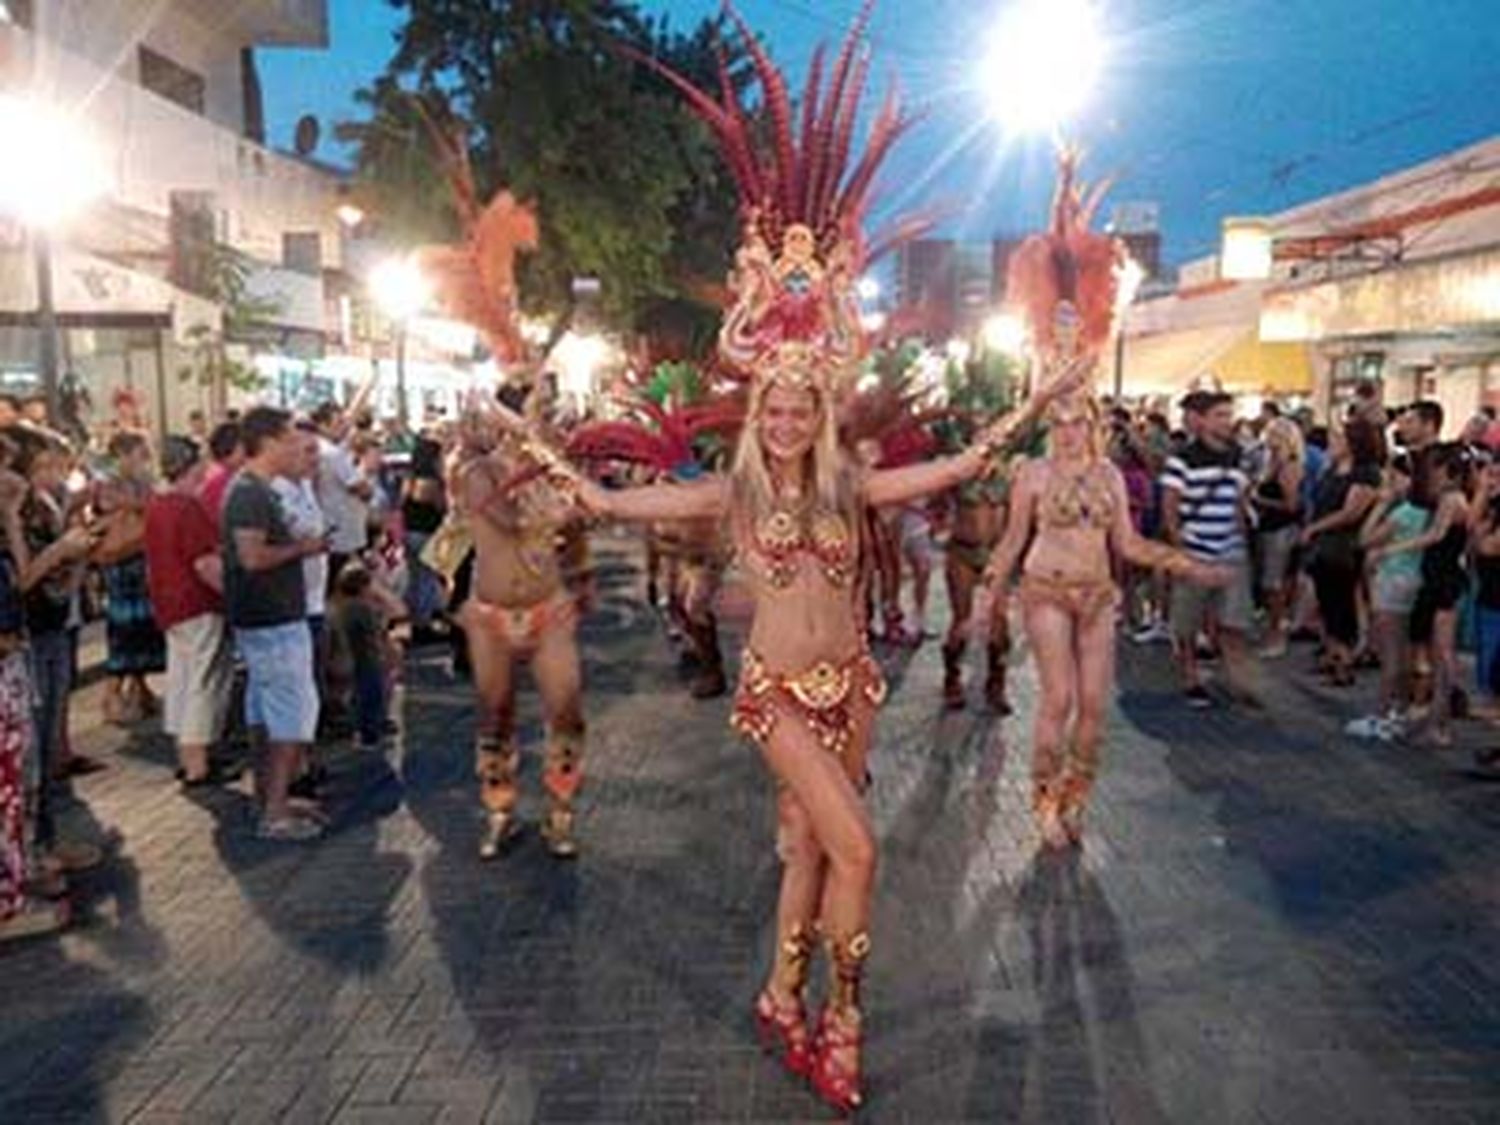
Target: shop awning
[1170,363]
[89,291]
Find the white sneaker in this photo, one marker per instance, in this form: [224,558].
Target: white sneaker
[1369,726]
[1153,634]
[1392,728]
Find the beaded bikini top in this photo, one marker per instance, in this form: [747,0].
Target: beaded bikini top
[1085,500]
[781,539]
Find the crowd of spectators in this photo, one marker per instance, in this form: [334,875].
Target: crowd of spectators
[256,568]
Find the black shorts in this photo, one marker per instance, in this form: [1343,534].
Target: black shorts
[1436,596]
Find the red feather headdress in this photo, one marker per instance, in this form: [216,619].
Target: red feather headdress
[664,438]
[1068,277]
[475,282]
[804,194]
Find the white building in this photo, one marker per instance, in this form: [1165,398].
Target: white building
[168,92]
[1397,281]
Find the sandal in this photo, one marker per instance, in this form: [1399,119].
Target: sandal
[35,920]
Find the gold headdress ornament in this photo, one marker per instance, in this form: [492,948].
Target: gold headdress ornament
[803,195]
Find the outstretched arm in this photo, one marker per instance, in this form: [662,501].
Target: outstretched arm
[896,486]
[1137,550]
[653,503]
[912,482]
[1021,512]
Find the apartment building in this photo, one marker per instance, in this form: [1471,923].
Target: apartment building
[168,92]
[1396,281]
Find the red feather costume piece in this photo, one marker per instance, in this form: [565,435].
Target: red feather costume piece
[475,282]
[803,199]
[1068,265]
[663,439]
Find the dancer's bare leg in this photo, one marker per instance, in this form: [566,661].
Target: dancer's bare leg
[559,679]
[1095,655]
[828,791]
[1049,629]
[497,757]
[962,582]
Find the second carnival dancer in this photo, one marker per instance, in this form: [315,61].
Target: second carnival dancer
[978,511]
[793,504]
[518,522]
[1070,517]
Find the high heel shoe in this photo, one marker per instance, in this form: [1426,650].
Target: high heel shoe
[833,1078]
[836,1047]
[782,1024]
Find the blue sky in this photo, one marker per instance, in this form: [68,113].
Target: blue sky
[1208,107]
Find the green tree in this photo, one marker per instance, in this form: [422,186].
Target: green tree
[628,185]
[222,275]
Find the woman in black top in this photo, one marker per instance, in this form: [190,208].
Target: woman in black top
[1440,482]
[423,506]
[1485,546]
[1343,498]
[1278,504]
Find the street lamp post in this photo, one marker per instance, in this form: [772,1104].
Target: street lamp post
[46,324]
[401,290]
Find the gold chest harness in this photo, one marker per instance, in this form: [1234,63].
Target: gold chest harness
[1082,501]
[781,539]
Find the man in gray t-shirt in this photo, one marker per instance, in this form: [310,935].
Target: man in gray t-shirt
[259,598]
[265,602]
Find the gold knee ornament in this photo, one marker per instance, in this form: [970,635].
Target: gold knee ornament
[496,762]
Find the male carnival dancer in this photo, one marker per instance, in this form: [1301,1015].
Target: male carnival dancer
[516,514]
[521,609]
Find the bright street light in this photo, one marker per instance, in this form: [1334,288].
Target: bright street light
[349,215]
[1043,63]
[1005,333]
[868,289]
[53,170]
[577,360]
[401,290]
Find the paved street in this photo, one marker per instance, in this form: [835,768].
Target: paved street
[1268,924]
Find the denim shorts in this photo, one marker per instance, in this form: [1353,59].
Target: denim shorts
[281,693]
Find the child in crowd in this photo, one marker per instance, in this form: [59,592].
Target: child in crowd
[362,652]
[1394,583]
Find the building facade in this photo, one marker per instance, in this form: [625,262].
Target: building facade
[196,213]
[1396,281]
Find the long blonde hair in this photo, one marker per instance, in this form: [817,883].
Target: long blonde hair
[751,490]
[1287,433]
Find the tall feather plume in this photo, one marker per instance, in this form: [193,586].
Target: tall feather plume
[1069,262]
[811,95]
[779,106]
[822,151]
[890,125]
[848,116]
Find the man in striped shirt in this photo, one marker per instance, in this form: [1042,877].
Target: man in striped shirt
[1205,494]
